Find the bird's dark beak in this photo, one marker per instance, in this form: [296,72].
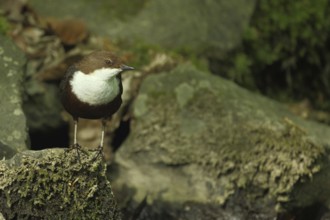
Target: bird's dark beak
[126,68]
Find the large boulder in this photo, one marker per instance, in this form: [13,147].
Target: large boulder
[199,26]
[13,129]
[201,146]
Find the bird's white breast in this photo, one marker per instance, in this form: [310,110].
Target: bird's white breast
[97,88]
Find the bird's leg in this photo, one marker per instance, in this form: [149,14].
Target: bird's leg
[104,124]
[100,147]
[75,143]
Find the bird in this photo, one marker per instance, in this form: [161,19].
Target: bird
[92,89]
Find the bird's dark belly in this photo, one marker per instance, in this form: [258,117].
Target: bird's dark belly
[83,110]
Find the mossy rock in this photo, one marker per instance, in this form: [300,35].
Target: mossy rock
[56,184]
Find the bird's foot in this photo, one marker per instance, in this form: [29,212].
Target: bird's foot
[99,153]
[74,146]
[78,148]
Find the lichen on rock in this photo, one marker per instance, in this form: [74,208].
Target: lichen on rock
[203,139]
[53,184]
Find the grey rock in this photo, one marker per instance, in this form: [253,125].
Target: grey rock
[326,216]
[6,151]
[198,26]
[13,130]
[200,139]
[99,15]
[42,106]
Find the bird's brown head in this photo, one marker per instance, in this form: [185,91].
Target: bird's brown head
[101,59]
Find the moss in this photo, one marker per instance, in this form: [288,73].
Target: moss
[4,25]
[57,187]
[123,9]
[197,59]
[284,48]
[143,53]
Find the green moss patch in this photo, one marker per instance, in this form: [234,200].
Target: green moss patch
[57,186]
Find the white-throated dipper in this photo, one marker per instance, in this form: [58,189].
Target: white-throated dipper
[92,89]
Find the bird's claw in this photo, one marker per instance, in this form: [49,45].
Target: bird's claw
[99,152]
[78,148]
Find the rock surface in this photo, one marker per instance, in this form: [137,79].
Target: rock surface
[13,130]
[195,25]
[42,108]
[53,184]
[198,142]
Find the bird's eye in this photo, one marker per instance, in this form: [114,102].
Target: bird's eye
[108,62]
